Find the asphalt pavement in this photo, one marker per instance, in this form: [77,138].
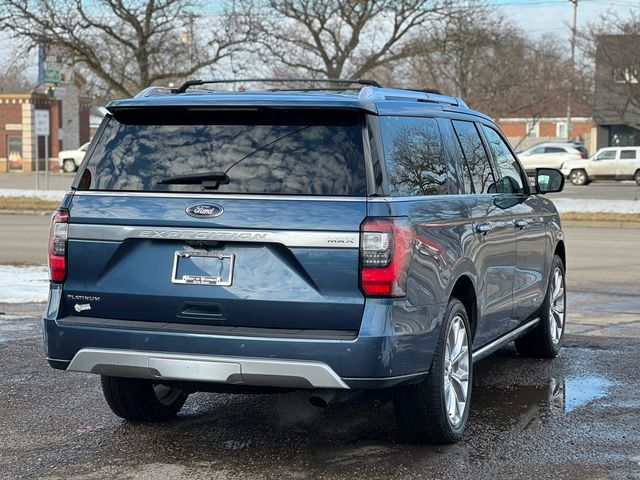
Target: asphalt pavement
[574,417]
[627,190]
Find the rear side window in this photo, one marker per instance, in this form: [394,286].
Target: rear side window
[510,176]
[627,154]
[477,160]
[414,157]
[554,150]
[252,152]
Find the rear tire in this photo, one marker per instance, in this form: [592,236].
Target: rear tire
[428,412]
[137,399]
[545,340]
[579,177]
[636,177]
[69,166]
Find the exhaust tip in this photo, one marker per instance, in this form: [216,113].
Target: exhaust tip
[319,402]
[322,398]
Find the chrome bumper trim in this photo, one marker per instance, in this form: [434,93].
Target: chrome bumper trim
[205,368]
[289,238]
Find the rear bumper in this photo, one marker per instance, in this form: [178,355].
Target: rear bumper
[394,346]
[206,368]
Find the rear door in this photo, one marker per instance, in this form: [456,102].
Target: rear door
[627,163]
[237,220]
[493,245]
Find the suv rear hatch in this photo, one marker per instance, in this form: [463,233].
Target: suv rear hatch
[238,219]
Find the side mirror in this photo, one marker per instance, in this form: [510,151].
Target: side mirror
[549,180]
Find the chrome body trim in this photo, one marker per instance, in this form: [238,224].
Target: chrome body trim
[491,347]
[219,197]
[289,238]
[206,368]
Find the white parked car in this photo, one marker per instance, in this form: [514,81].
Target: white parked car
[549,155]
[70,160]
[612,163]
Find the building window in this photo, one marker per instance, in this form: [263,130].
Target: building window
[14,152]
[561,129]
[532,129]
[626,75]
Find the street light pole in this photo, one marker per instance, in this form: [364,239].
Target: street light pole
[573,66]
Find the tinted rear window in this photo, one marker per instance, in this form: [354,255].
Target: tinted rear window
[627,154]
[264,152]
[413,152]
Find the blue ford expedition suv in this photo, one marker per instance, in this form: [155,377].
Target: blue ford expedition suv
[356,238]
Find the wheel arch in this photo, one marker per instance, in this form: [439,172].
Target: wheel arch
[561,252]
[465,291]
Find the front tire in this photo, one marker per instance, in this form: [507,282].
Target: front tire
[436,410]
[69,166]
[578,177]
[138,399]
[545,340]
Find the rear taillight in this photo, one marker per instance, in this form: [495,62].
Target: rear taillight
[385,250]
[582,155]
[58,245]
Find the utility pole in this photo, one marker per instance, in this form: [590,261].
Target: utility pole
[573,66]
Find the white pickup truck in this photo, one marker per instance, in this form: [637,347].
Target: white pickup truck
[70,160]
[612,163]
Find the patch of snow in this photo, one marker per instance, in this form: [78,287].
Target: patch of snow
[23,284]
[52,195]
[596,206]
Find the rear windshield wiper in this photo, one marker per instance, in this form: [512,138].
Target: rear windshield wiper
[211,180]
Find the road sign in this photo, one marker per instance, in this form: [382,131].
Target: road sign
[42,123]
[51,75]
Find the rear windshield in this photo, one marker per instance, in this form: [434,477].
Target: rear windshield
[261,152]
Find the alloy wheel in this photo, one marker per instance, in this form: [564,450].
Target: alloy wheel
[578,177]
[456,371]
[556,306]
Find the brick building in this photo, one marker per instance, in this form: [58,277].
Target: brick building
[524,132]
[17,130]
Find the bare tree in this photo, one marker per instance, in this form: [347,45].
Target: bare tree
[341,38]
[13,75]
[129,45]
[494,67]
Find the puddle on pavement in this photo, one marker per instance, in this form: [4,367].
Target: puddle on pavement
[581,390]
[525,405]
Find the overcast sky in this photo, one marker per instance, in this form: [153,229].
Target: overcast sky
[538,17]
[554,16]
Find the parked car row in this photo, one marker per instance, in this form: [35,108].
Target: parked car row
[612,163]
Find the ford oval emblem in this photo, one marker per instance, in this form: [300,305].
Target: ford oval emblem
[204,210]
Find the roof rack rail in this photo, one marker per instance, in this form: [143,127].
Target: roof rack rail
[368,93]
[191,83]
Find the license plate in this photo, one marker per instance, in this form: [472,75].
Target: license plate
[202,268]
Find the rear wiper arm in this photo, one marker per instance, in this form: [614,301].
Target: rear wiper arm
[211,180]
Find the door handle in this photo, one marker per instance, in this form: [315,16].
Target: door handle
[520,223]
[484,228]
